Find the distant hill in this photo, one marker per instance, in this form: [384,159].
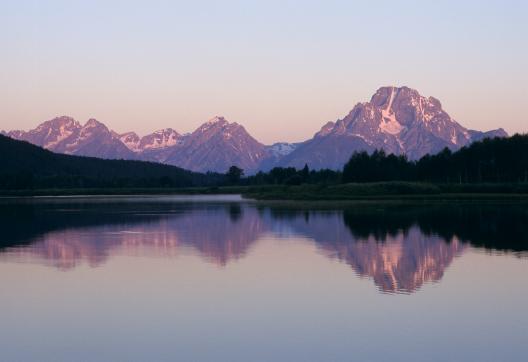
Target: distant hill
[24,165]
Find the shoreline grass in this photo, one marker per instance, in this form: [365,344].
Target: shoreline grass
[353,191]
[391,190]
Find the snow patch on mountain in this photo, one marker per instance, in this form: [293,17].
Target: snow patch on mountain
[160,139]
[282,148]
[389,124]
[63,134]
[131,140]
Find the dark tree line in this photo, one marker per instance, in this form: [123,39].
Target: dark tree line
[497,160]
[292,176]
[364,167]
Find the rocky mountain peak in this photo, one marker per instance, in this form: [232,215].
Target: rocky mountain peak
[381,98]
[162,138]
[93,123]
[93,128]
[216,145]
[62,122]
[217,119]
[397,119]
[219,126]
[395,111]
[214,123]
[49,133]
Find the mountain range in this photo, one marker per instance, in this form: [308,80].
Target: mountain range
[396,119]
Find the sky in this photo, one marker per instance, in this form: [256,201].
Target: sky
[280,68]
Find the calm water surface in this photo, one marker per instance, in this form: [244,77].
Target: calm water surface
[222,279]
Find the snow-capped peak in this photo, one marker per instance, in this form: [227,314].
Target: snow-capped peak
[162,138]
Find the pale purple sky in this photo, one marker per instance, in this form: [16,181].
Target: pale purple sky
[280,68]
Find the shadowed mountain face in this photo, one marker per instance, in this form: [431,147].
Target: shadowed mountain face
[398,120]
[399,247]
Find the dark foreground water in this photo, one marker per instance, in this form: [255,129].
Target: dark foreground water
[220,279]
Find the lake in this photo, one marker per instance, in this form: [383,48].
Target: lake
[219,278]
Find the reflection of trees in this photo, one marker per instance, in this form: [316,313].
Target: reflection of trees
[492,226]
[22,223]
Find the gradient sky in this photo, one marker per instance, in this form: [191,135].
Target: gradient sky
[280,68]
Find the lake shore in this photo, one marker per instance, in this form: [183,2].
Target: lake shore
[308,192]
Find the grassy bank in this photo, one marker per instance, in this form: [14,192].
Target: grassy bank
[388,190]
[351,191]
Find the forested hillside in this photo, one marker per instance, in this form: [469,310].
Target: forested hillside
[23,166]
[495,160]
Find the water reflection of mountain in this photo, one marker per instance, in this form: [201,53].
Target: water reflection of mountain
[403,262]
[65,234]
[400,247]
[398,259]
